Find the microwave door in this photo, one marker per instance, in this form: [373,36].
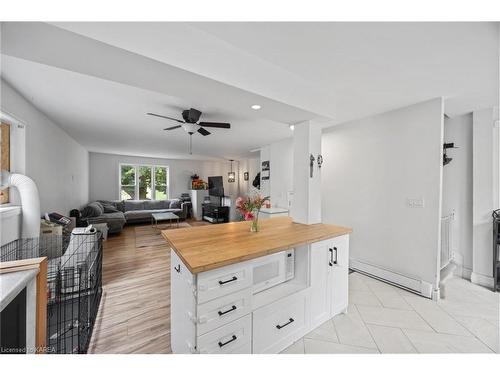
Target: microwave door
[269,272]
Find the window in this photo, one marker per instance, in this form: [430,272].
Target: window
[5,158]
[143,182]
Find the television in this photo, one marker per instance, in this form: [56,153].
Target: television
[215,186]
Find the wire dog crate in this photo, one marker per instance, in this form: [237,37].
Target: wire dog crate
[74,285]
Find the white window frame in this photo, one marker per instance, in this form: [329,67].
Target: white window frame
[17,150]
[136,179]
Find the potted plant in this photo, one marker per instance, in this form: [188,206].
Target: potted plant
[197,183]
[249,207]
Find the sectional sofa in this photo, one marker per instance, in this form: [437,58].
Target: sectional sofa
[117,213]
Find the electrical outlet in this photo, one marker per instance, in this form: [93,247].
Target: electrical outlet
[415,202]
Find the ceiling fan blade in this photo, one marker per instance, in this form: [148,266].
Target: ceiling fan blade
[221,125]
[168,118]
[203,131]
[173,127]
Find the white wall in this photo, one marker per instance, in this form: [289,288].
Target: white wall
[252,166]
[265,185]
[55,161]
[280,156]
[371,167]
[457,187]
[483,195]
[281,172]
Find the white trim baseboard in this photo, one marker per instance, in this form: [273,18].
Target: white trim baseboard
[415,285]
[466,273]
[483,280]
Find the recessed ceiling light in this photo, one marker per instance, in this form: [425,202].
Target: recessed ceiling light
[256,107]
[292,127]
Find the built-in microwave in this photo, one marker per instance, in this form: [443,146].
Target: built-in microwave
[273,269]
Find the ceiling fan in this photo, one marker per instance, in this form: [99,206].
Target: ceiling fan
[191,125]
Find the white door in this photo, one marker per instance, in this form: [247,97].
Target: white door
[338,250]
[320,297]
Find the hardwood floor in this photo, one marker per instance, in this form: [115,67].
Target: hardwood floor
[134,316]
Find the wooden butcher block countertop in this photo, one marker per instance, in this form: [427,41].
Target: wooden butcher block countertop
[212,246]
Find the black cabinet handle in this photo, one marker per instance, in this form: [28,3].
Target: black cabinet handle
[221,344]
[287,323]
[178,268]
[330,263]
[228,281]
[227,311]
[336,255]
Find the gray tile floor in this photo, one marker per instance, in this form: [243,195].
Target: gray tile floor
[384,319]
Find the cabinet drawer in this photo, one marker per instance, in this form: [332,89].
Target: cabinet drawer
[234,337]
[220,311]
[223,281]
[278,325]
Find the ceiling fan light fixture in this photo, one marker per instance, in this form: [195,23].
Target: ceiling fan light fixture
[256,107]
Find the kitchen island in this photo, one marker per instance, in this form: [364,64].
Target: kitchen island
[234,291]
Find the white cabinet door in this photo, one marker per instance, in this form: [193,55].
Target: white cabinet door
[280,324]
[320,296]
[338,249]
[182,307]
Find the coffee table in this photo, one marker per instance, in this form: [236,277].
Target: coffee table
[163,216]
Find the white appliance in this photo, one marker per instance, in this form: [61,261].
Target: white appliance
[268,213]
[197,197]
[273,269]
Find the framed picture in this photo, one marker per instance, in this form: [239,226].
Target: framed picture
[245,176]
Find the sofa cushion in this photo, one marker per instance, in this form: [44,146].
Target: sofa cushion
[93,209]
[115,221]
[132,205]
[175,203]
[165,204]
[108,217]
[153,205]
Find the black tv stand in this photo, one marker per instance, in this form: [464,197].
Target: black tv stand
[215,213]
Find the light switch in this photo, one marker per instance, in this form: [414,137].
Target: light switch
[415,202]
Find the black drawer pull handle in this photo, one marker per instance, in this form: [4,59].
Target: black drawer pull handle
[178,268]
[227,311]
[228,281]
[330,263]
[221,344]
[336,255]
[287,323]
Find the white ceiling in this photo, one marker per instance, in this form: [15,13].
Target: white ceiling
[111,73]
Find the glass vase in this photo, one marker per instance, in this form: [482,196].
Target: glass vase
[254,226]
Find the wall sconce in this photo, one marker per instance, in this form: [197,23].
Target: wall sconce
[231,176]
[245,176]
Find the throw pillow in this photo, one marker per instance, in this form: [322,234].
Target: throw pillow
[175,203]
[108,206]
[93,209]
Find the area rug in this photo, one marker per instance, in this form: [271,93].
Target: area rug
[146,236]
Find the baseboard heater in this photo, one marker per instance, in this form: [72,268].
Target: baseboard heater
[411,284]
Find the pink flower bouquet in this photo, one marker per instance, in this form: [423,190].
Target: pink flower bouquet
[249,207]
